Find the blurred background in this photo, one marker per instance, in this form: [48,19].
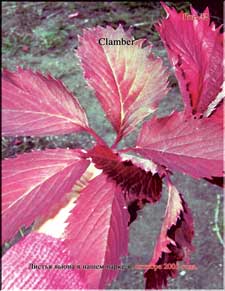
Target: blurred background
[43,36]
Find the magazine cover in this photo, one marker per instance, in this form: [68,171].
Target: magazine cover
[112,145]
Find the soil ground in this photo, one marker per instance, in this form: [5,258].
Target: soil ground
[40,35]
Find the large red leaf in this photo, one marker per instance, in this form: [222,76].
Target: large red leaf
[34,104]
[195,49]
[138,178]
[34,183]
[56,267]
[97,233]
[128,80]
[218,113]
[217,105]
[174,241]
[192,146]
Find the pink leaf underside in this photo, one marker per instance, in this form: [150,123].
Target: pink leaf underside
[195,49]
[34,104]
[128,80]
[192,146]
[174,241]
[97,231]
[42,250]
[34,183]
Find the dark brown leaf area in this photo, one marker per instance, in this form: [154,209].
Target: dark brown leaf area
[182,233]
[139,186]
[219,181]
[134,206]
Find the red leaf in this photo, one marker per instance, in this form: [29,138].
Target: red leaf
[34,183]
[128,80]
[195,49]
[174,241]
[138,178]
[218,113]
[97,233]
[34,104]
[218,117]
[192,146]
[216,107]
[42,250]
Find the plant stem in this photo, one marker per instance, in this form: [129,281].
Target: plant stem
[98,139]
[132,149]
[117,140]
